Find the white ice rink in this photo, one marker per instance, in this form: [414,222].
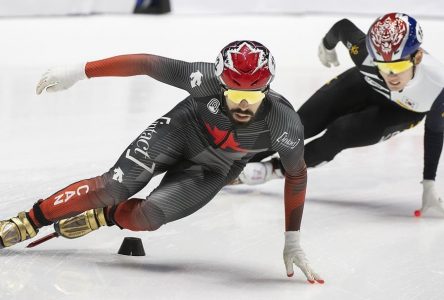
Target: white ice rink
[357,231]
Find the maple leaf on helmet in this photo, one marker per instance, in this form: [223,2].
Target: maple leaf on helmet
[245,65]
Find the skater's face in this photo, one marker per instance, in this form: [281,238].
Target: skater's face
[243,105]
[398,74]
[398,81]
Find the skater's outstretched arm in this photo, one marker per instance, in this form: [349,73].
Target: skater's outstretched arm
[351,36]
[197,78]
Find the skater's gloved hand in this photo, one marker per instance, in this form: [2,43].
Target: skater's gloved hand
[430,197]
[255,173]
[259,172]
[293,254]
[327,57]
[60,78]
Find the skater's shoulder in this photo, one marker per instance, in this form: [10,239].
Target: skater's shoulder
[433,69]
[281,111]
[277,100]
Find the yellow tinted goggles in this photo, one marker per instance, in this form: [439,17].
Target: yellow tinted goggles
[394,67]
[251,97]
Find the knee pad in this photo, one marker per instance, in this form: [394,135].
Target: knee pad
[138,215]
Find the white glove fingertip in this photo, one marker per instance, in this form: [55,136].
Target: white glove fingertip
[318,278]
[308,274]
[289,267]
[38,90]
[52,88]
[42,84]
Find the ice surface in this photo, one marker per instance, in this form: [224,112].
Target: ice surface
[358,230]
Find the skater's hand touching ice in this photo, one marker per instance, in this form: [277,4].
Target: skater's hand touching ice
[430,198]
[293,254]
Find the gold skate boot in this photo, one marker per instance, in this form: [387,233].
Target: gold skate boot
[82,224]
[16,230]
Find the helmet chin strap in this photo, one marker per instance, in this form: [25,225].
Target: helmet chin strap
[414,71]
[415,63]
[224,106]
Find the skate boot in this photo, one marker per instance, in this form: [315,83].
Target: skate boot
[82,224]
[15,230]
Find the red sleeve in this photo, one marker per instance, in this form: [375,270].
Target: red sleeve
[170,71]
[295,188]
[123,65]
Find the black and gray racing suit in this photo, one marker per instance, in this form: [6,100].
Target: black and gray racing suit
[196,144]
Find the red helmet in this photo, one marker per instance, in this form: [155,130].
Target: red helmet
[245,65]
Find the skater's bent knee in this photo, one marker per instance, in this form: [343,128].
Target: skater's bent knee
[138,215]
